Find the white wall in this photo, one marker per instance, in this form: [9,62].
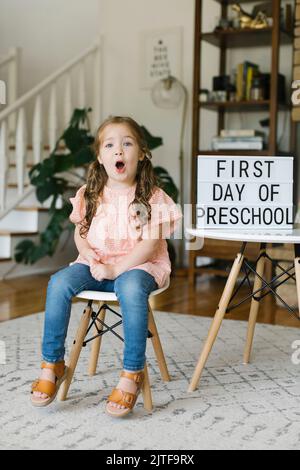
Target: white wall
[123,21]
[50,32]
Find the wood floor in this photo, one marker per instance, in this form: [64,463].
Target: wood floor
[24,296]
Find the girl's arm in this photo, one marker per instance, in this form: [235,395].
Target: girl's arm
[84,248]
[141,253]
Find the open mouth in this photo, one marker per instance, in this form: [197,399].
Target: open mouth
[120,166]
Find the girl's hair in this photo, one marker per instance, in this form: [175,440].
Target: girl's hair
[97,176]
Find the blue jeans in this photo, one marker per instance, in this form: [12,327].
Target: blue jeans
[132,289]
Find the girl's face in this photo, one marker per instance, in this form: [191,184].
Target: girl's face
[119,153]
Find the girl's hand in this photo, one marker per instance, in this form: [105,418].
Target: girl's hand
[101,271]
[90,255]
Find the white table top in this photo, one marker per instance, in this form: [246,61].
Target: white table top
[267,236]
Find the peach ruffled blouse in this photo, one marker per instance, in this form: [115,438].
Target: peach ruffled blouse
[115,231]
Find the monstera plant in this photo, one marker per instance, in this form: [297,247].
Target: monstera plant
[75,153]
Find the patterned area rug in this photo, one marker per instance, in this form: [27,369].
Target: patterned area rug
[235,406]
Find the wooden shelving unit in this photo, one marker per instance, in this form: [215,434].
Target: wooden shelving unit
[243,38]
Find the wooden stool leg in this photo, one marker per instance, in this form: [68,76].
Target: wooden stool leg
[75,352]
[96,343]
[260,268]
[146,391]
[158,347]
[217,321]
[297,272]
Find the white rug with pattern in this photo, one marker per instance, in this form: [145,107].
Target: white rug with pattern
[235,407]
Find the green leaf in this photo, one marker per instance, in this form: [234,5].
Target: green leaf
[83,157]
[152,142]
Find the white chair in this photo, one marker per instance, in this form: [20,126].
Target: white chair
[96,321]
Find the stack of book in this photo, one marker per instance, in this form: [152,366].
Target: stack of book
[243,139]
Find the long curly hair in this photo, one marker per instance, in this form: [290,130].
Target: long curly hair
[97,176]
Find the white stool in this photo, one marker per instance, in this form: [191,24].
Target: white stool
[104,299]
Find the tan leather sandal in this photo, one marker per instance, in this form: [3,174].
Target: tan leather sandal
[47,387]
[127,399]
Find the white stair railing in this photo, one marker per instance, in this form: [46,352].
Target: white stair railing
[71,76]
[10,70]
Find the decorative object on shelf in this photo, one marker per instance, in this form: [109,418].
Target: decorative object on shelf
[223,24]
[245,19]
[221,82]
[257,90]
[169,93]
[218,96]
[203,95]
[220,88]
[266,83]
[260,21]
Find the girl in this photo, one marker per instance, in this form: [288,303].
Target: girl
[121,219]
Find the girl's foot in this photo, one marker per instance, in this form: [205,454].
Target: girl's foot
[128,387]
[46,374]
[44,390]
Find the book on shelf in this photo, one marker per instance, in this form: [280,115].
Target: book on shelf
[241,133]
[237,146]
[245,74]
[228,143]
[251,71]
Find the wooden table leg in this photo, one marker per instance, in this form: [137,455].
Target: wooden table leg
[260,268]
[217,321]
[297,272]
[269,303]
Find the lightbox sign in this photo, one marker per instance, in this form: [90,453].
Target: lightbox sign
[245,192]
